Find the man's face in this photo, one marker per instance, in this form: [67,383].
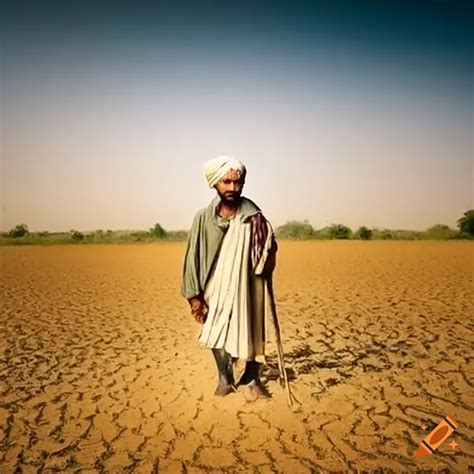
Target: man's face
[230,187]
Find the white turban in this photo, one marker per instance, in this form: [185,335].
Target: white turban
[217,168]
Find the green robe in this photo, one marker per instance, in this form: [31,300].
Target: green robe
[204,241]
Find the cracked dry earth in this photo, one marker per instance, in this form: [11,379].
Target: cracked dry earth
[100,369]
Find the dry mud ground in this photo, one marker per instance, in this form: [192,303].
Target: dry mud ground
[100,370]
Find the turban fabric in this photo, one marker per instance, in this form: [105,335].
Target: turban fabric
[217,168]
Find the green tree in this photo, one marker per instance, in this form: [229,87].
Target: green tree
[295,230]
[339,231]
[19,230]
[76,235]
[323,234]
[158,232]
[466,223]
[387,234]
[363,233]
[179,235]
[140,235]
[440,231]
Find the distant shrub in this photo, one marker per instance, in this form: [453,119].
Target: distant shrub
[322,234]
[158,232]
[363,233]
[441,232]
[19,230]
[76,235]
[140,235]
[387,234]
[295,230]
[339,231]
[177,235]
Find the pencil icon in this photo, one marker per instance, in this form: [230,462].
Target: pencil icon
[428,445]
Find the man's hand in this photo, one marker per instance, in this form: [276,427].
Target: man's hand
[199,308]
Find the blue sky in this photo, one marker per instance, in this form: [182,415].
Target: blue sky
[350,112]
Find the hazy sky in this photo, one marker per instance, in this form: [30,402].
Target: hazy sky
[344,112]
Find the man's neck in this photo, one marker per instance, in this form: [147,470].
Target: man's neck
[228,210]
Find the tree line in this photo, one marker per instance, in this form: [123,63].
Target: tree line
[292,230]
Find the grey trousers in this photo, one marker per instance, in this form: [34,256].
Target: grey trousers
[225,372]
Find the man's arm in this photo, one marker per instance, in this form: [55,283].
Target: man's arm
[190,286]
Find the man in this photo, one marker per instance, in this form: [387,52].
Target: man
[231,250]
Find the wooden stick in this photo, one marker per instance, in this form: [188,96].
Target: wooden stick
[281,357]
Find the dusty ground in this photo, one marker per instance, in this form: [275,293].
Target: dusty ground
[100,370]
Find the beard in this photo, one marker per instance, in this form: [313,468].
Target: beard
[230,199]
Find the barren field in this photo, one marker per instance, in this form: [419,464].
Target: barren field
[100,369]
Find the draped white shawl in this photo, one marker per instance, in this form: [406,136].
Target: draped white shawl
[236,298]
